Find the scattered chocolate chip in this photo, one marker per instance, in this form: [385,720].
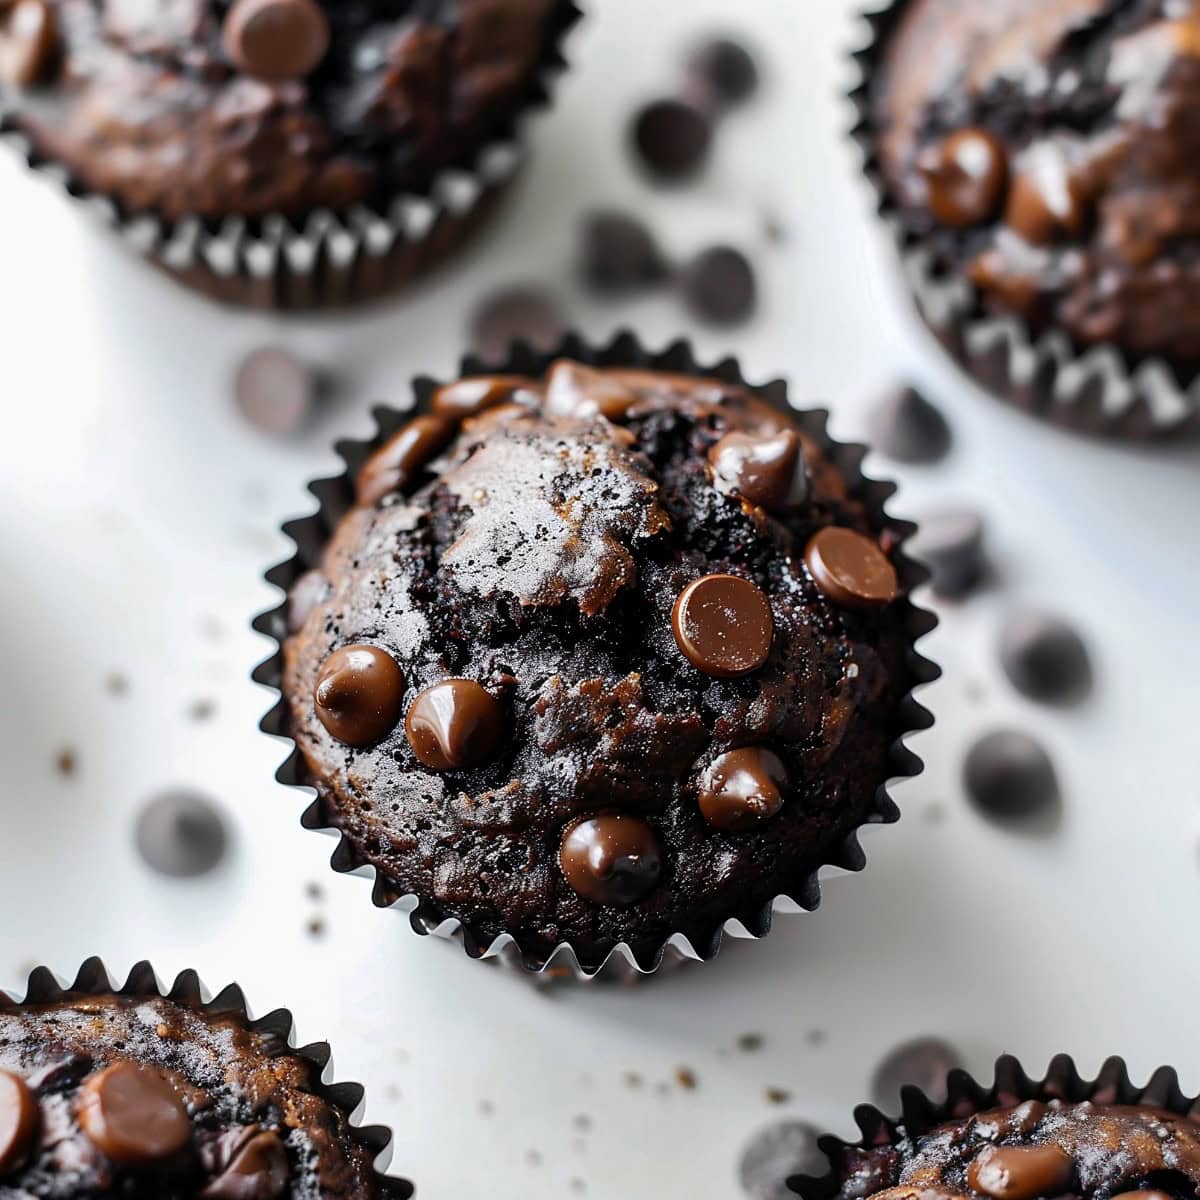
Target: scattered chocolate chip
[359,694]
[18,1121]
[620,254]
[573,390]
[1009,774]
[1044,658]
[966,174]
[949,541]
[776,1153]
[529,314]
[259,1170]
[1021,1172]
[396,465]
[672,138]
[28,41]
[765,469]
[613,858]
[742,788]
[275,391]
[686,1078]
[777,1095]
[469,397]
[276,40]
[748,1043]
[723,625]
[923,1063]
[132,1115]
[454,725]
[723,71]
[850,568]
[907,427]
[180,834]
[719,286]
[66,762]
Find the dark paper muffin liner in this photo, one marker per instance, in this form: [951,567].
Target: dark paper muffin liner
[328,259]
[93,979]
[336,496]
[1009,1087]
[1095,389]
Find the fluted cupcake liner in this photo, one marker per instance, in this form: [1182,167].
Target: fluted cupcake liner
[327,259]
[335,497]
[1010,1086]
[1095,389]
[94,979]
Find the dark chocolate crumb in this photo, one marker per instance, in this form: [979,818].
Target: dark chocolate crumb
[316,928]
[202,710]
[314,891]
[777,1095]
[749,1042]
[66,762]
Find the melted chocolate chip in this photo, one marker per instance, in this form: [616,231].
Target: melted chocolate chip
[359,694]
[767,470]
[469,397]
[965,174]
[454,725]
[620,254]
[133,1115]
[1009,774]
[1046,200]
[1044,658]
[612,858]
[573,390]
[395,466]
[719,286]
[672,138]
[723,625]
[28,41]
[724,72]
[742,789]
[276,40]
[851,569]
[1021,1172]
[258,1171]
[181,835]
[18,1121]
[924,1063]
[906,427]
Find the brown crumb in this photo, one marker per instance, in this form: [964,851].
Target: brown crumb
[316,928]
[116,684]
[777,1095]
[66,762]
[686,1078]
[201,710]
[314,891]
[749,1042]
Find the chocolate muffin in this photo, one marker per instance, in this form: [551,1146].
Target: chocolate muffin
[108,1092]
[1041,152]
[599,656]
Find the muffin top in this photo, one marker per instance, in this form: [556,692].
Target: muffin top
[1036,1149]
[598,658]
[1047,149]
[215,108]
[148,1099]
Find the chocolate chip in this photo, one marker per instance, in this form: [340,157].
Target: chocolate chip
[359,694]
[924,1063]
[742,788]
[1044,658]
[454,725]
[723,625]
[274,391]
[774,1154]
[906,427]
[396,465]
[1021,1172]
[724,71]
[573,390]
[620,254]
[850,568]
[276,40]
[527,314]
[133,1115]
[28,41]
[473,395]
[1009,774]
[310,590]
[612,858]
[719,286]
[765,469]
[965,175]
[672,138]
[180,834]
[949,541]
[1047,201]
[258,1171]
[18,1121]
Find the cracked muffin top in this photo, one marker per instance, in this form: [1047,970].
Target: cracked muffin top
[1046,150]
[599,657]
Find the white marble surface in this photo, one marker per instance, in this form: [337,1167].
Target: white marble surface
[137,514]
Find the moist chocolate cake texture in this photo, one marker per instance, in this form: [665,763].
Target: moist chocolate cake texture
[1045,150]
[598,658]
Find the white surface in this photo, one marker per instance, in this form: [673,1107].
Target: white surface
[136,510]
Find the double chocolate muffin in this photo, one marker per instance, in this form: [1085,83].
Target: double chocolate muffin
[129,1094]
[601,656]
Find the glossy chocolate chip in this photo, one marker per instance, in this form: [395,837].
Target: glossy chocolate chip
[612,858]
[1009,774]
[906,427]
[850,568]
[28,41]
[1045,658]
[258,1170]
[723,71]
[181,835]
[923,1063]
[776,1153]
[527,314]
[454,725]
[723,625]
[473,395]
[950,542]
[133,1115]
[966,174]
[1046,199]
[1021,1172]
[671,138]
[276,40]
[573,390]
[18,1121]
[719,286]
[765,469]
[620,254]
[397,464]
[359,694]
[274,390]
[742,789]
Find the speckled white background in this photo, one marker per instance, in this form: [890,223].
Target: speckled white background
[137,513]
